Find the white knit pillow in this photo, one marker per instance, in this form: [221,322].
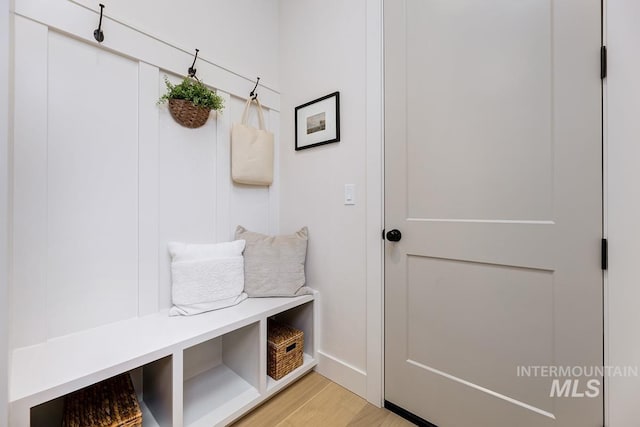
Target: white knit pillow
[206,277]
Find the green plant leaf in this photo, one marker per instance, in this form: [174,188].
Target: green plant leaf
[192,90]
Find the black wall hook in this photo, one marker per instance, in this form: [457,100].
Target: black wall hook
[192,70]
[97,33]
[253,94]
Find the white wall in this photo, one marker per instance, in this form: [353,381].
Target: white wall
[104,178]
[313,180]
[322,50]
[623,174]
[4,190]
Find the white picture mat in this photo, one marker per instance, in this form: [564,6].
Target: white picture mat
[328,106]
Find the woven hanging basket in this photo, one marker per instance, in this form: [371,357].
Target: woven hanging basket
[187,114]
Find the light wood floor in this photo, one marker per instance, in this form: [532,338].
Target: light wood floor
[316,401]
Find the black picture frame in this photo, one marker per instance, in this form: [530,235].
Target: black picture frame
[317,122]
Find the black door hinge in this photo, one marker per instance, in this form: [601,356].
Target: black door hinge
[603,62]
[383,234]
[605,254]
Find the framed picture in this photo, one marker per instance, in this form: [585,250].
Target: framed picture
[318,122]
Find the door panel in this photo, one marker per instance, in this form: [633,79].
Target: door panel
[479,71]
[493,174]
[444,333]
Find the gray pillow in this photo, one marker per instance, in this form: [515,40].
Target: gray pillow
[274,265]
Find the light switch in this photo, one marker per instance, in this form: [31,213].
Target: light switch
[349,194]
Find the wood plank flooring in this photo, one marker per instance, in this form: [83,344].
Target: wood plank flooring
[315,401]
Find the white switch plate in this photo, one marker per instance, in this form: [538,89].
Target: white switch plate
[349,194]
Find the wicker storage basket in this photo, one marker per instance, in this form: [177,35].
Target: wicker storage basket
[285,347]
[188,114]
[110,403]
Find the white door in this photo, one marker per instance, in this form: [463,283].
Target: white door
[494,178]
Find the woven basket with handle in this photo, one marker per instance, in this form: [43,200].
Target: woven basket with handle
[187,114]
[110,403]
[285,347]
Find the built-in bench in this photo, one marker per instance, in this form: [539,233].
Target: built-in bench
[203,370]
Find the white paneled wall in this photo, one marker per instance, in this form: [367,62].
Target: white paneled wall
[92,192]
[28,285]
[104,178]
[224,31]
[148,191]
[187,179]
[246,200]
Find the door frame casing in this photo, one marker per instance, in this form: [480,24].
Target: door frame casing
[605,232]
[374,202]
[6,100]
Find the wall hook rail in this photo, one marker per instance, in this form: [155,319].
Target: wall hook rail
[253,94]
[97,33]
[192,70]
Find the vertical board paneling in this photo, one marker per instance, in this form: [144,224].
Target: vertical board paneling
[92,176]
[247,54]
[103,179]
[188,188]
[224,228]
[249,203]
[148,189]
[274,194]
[29,184]
[69,18]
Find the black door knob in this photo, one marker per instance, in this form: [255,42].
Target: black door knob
[394,235]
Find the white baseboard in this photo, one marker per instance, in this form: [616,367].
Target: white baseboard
[349,377]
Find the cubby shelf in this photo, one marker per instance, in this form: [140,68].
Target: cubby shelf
[211,396]
[274,386]
[204,370]
[148,418]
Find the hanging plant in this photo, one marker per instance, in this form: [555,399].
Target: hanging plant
[190,102]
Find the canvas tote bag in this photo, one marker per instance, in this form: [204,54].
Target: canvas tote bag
[251,150]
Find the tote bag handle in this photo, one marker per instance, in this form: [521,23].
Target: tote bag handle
[245,114]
